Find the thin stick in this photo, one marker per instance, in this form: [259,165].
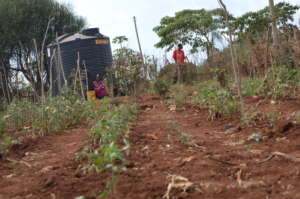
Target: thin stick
[75,80]
[21,161]
[51,74]
[223,161]
[39,66]
[2,87]
[140,48]
[60,61]
[235,65]
[78,67]
[86,76]
[42,57]
[279,154]
[7,88]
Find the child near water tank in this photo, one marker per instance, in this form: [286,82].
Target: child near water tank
[99,87]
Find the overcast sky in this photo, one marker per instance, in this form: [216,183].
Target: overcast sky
[115,17]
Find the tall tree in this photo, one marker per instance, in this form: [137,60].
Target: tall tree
[235,66]
[21,22]
[253,25]
[274,23]
[120,40]
[196,28]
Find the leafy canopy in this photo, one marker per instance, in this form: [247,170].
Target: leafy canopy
[190,27]
[253,24]
[199,28]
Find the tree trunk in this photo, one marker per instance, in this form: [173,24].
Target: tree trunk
[140,48]
[235,65]
[274,27]
[5,86]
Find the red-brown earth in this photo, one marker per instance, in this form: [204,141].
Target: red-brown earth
[216,161]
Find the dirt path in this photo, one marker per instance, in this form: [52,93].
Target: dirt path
[163,143]
[159,150]
[46,169]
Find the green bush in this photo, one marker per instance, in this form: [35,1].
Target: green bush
[2,126]
[298,117]
[104,137]
[251,86]
[178,94]
[218,100]
[281,82]
[162,87]
[3,104]
[191,73]
[56,114]
[20,113]
[108,142]
[6,142]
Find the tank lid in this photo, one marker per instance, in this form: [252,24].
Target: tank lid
[90,31]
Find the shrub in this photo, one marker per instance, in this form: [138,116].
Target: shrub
[218,100]
[3,104]
[162,87]
[2,126]
[298,117]
[178,94]
[190,74]
[56,114]
[281,82]
[103,150]
[20,113]
[6,142]
[108,142]
[251,86]
[252,118]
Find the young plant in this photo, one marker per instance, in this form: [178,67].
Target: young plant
[178,94]
[298,117]
[253,118]
[2,126]
[185,138]
[162,87]
[250,86]
[55,114]
[6,142]
[108,143]
[281,82]
[219,101]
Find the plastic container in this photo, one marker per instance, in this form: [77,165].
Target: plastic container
[91,95]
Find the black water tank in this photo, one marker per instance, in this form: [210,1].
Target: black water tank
[93,48]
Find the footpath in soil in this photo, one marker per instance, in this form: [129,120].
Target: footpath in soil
[161,150]
[167,145]
[46,169]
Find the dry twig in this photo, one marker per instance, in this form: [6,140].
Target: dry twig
[177,182]
[21,161]
[223,161]
[239,177]
[286,156]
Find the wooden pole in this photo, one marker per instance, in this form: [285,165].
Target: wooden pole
[3,89]
[140,48]
[274,27]
[7,86]
[60,64]
[79,72]
[235,65]
[51,72]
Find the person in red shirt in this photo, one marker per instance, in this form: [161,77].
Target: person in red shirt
[179,57]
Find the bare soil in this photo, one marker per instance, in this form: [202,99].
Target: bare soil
[213,161]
